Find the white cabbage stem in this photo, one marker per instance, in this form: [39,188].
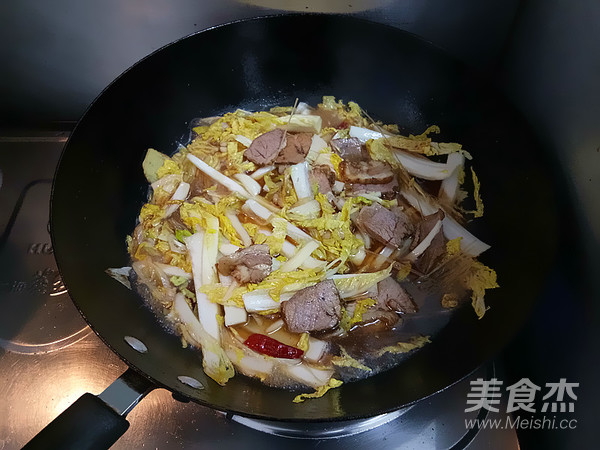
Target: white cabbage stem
[316,145]
[259,300]
[299,175]
[469,245]
[424,168]
[302,255]
[235,315]
[259,173]
[243,140]
[307,210]
[252,207]
[316,350]
[420,203]
[207,310]
[179,195]
[239,229]
[449,187]
[249,183]
[218,176]
[174,271]
[364,134]
[289,250]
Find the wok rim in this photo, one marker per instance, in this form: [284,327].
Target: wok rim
[155,382]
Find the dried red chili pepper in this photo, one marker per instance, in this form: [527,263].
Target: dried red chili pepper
[272,347]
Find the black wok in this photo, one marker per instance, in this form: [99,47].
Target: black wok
[256,64]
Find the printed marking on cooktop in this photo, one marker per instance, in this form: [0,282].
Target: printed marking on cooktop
[40,248]
[43,282]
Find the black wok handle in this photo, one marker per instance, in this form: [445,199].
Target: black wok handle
[94,422]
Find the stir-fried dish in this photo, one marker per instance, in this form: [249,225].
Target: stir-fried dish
[300,245]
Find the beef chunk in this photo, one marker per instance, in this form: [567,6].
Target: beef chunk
[314,308]
[349,149]
[330,117]
[296,148]
[384,225]
[392,296]
[247,265]
[323,177]
[366,172]
[265,148]
[425,226]
[432,256]
[387,190]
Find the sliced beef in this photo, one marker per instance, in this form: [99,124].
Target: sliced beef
[349,149]
[430,257]
[247,265]
[366,172]
[433,255]
[265,148]
[330,117]
[387,190]
[323,177]
[315,308]
[425,226]
[176,221]
[296,148]
[387,227]
[392,296]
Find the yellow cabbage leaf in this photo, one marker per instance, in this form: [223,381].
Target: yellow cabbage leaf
[303,342]
[195,213]
[235,160]
[169,167]
[250,125]
[277,282]
[403,271]
[275,241]
[478,201]
[151,215]
[345,360]
[379,151]
[453,246]
[320,391]
[361,307]
[405,347]
[351,286]
[480,278]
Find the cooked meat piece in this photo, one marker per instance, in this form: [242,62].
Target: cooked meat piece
[247,265]
[323,177]
[265,148]
[392,296]
[425,226]
[330,117]
[384,225]
[349,149]
[295,149]
[176,221]
[314,308]
[388,190]
[431,257]
[366,172]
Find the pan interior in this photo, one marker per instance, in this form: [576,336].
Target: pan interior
[256,64]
